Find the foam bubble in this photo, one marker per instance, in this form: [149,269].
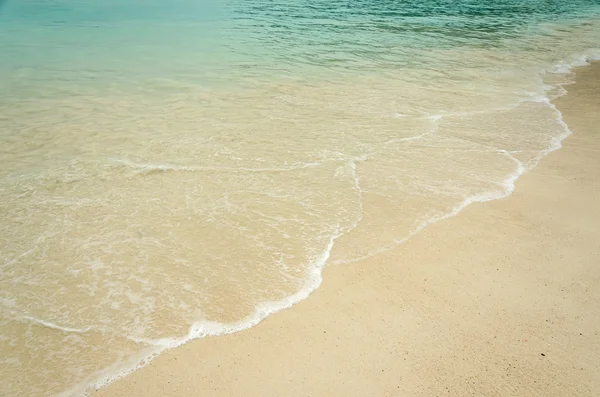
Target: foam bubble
[567,66]
[204,328]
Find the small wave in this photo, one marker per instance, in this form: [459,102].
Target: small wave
[27,318]
[508,186]
[567,66]
[57,327]
[204,328]
[146,168]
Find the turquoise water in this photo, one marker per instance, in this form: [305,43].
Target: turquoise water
[172,170]
[208,42]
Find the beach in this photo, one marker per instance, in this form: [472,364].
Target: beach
[499,300]
[275,197]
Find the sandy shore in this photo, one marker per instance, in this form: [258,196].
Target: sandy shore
[501,300]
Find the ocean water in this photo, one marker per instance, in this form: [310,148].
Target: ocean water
[176,169]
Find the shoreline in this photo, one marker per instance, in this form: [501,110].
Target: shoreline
[294,325]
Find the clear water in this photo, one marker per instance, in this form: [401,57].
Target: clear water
[171,170]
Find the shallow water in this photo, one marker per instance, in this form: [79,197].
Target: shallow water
[178,169]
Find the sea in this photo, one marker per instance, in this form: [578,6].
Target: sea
[177,169]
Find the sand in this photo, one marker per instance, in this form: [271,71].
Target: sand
[501,300]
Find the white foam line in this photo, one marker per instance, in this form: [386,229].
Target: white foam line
[435,118]
[10,262]
[24,254]
[205,328]
[23,317]
[509,184]
[359,190]
[147,168]
[48,324]
[567,66]
[556,142]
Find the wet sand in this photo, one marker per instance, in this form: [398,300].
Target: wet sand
[501,300]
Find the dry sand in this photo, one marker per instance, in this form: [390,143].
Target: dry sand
[501,300]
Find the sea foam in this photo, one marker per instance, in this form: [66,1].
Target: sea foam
[140,197]
[202,329]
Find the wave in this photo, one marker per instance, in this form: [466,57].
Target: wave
[201,329]
[148,168]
